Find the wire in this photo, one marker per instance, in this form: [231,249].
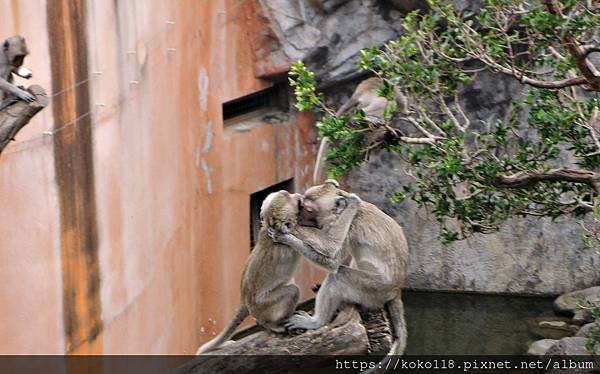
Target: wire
[70,88]
[152,46]
[169,24]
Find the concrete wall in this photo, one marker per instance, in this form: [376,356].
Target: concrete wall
[126,227]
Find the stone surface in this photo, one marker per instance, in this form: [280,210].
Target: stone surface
[534,256]
[531,256]
[568,304]
[323,38]
[572,346]
[540,347]
[582,317]
[583,331]
[551,327]
[527,255]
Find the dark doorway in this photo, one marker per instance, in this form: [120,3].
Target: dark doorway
[256,200]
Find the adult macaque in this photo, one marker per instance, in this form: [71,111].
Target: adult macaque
[14,50]
[376,274]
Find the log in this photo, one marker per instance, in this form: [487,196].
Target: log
[18,114]
[350,333]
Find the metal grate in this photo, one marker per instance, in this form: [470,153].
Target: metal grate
[256,200]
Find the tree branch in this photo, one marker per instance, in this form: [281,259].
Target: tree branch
[580,53]
[531,177]
[15,116]
[350,333]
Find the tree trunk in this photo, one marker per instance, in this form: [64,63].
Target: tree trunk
[16,115]
[350,333]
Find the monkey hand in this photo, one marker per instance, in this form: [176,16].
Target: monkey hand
[353,200]
[25,96]
[271,233]
[278,236]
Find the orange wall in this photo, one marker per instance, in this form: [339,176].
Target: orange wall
[31,319]
[171,186]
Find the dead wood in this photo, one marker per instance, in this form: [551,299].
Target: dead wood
[18,114]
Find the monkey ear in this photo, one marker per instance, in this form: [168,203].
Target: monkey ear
[6,45]
[340,204]
[332,182]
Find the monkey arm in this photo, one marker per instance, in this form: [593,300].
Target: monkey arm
[324,246]
[9,87]
[6,86]
[324,260]
[348,105]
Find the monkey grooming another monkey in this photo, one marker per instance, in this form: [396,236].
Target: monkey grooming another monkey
[14,50]
[365,96]
[267,290]
[379,263]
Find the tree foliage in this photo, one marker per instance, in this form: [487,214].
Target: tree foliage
[541,159]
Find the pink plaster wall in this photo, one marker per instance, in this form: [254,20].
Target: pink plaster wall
[172,184]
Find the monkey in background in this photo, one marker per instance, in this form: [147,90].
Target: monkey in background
[376,274]
[12,56]
[267,290]
[365,96]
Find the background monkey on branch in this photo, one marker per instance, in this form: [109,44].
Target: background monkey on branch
[365,96]
[267,290]
[12,56]
[376,274]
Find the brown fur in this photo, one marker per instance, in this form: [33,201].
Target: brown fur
[376,274]
[267,290]
[268,293]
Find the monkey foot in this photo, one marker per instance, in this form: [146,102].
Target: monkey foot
[302,320]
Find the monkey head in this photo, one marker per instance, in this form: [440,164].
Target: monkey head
[321,203]
[15,50]
[279,211]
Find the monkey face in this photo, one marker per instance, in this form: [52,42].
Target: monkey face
[17,61]
[15,49]
[322,203]
[309,213]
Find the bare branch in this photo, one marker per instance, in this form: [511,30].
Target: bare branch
[590,127]
[15,116]
[419,127]
[409,140]
[532,177]
[589,71]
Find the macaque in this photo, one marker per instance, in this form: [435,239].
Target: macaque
[12,56]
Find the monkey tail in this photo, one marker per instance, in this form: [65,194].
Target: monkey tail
[320,161]
[227,332]
[395,309]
